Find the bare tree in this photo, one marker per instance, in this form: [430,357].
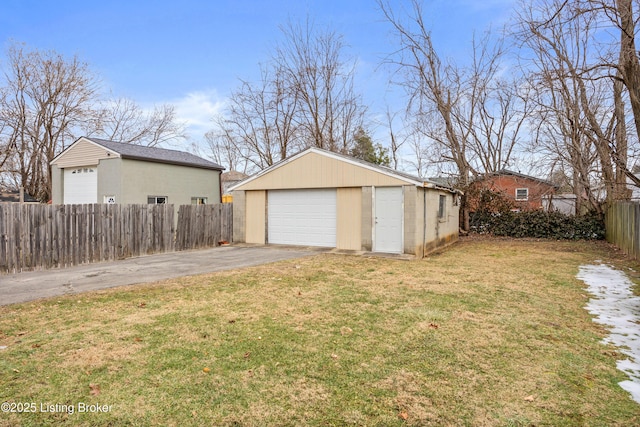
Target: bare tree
[259,121]
[471,116]
[434,88]
[125,121]
[305,97]
[397,139]
[44,97]
[329,111]
[224,150]
[578,65]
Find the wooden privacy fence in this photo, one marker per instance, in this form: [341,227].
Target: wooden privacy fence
[49,236]
[622,223]
[203,226]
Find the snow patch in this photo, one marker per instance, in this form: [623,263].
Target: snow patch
[615,306]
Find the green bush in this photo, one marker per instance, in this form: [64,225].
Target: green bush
[538,224]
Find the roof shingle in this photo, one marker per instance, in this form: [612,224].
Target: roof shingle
[155,154]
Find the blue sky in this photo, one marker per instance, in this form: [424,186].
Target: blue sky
[191,53]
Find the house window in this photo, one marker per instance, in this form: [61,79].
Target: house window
[198,200]
[442,203]
[522,194]
[157,200]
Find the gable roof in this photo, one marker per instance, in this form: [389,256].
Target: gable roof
[233,176]
[519,175]
[389,172]
[150,154]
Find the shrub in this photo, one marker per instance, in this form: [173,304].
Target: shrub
[538,224]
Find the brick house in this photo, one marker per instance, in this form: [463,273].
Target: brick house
[526,192]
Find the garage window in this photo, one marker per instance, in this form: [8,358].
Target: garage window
[157,200]
[442,206]
[198,200]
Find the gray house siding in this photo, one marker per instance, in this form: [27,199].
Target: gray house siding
[57,177]
[132,181]
[109,181]
[178,183]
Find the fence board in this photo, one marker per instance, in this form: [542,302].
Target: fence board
[46,236]
[622,221]
[203,225]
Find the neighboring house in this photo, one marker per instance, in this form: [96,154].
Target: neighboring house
[94,170]
[229,179]
[527,192]
[564,203]
[14,197]
[320,198]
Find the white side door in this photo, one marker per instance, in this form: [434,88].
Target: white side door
[388,228]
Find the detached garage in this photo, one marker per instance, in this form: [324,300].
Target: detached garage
[324,199]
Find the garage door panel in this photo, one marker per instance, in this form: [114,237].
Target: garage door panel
[302,217]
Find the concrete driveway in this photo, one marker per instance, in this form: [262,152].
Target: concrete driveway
[28,286]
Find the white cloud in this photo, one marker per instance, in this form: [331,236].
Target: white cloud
[197,110]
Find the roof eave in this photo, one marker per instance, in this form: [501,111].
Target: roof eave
[170,162]
[355,162]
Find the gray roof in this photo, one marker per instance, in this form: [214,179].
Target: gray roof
[155,154]
[385,169]
[445,181]
[443,185]
[521,175]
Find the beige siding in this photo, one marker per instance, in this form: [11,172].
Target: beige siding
[255,216]
[84,153]
[349,216]
[316,171]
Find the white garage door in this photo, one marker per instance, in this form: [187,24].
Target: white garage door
[81,185]
[302,217]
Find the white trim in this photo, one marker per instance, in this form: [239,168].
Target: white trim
[76,142]
[373,218]
[526,198]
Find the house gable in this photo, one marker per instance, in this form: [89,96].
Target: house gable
[83,152]
[318,169]
[526,192]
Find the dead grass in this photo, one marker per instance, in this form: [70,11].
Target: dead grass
[489,332]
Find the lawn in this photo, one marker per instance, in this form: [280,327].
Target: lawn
[489,332]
